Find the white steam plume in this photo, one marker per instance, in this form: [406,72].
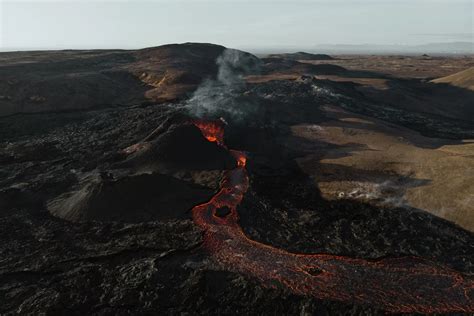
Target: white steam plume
[223,96]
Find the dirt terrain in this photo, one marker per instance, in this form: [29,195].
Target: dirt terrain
[462,79]
[382,163]
[72,80]
[393,164]
[191,179]
[421,67]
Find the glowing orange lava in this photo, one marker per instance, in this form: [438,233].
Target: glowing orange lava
[407,284]
[212,130]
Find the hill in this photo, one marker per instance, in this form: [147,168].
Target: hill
[73,80]
[302,56]
[463,79]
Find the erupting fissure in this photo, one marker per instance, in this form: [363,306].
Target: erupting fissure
[406,284]
[212,130]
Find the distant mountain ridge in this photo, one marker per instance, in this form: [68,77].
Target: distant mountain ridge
[430,48]
[301,56]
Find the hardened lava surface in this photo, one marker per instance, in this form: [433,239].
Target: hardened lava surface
[265,242]
[53,266]
[405,284]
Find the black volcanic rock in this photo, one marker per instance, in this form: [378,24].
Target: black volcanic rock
[140,198]
[283,65]
[77,80]
[55,267]
[82,82]
[171,71]
[223,211]
[180,54]
[182,147]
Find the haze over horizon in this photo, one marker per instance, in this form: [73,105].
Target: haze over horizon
[250,25]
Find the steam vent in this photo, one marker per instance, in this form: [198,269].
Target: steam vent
[194,179]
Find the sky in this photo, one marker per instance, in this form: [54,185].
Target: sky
[244,24]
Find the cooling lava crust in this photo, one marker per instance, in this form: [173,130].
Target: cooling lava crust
[406,284]
[172,181]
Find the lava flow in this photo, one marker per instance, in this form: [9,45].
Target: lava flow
[407,284]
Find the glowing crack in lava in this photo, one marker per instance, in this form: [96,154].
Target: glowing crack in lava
[407,284]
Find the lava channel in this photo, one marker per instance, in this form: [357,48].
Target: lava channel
[407,284]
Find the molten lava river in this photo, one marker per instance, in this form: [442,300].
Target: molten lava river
[407,284]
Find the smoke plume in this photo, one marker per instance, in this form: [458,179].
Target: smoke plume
[224,96]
